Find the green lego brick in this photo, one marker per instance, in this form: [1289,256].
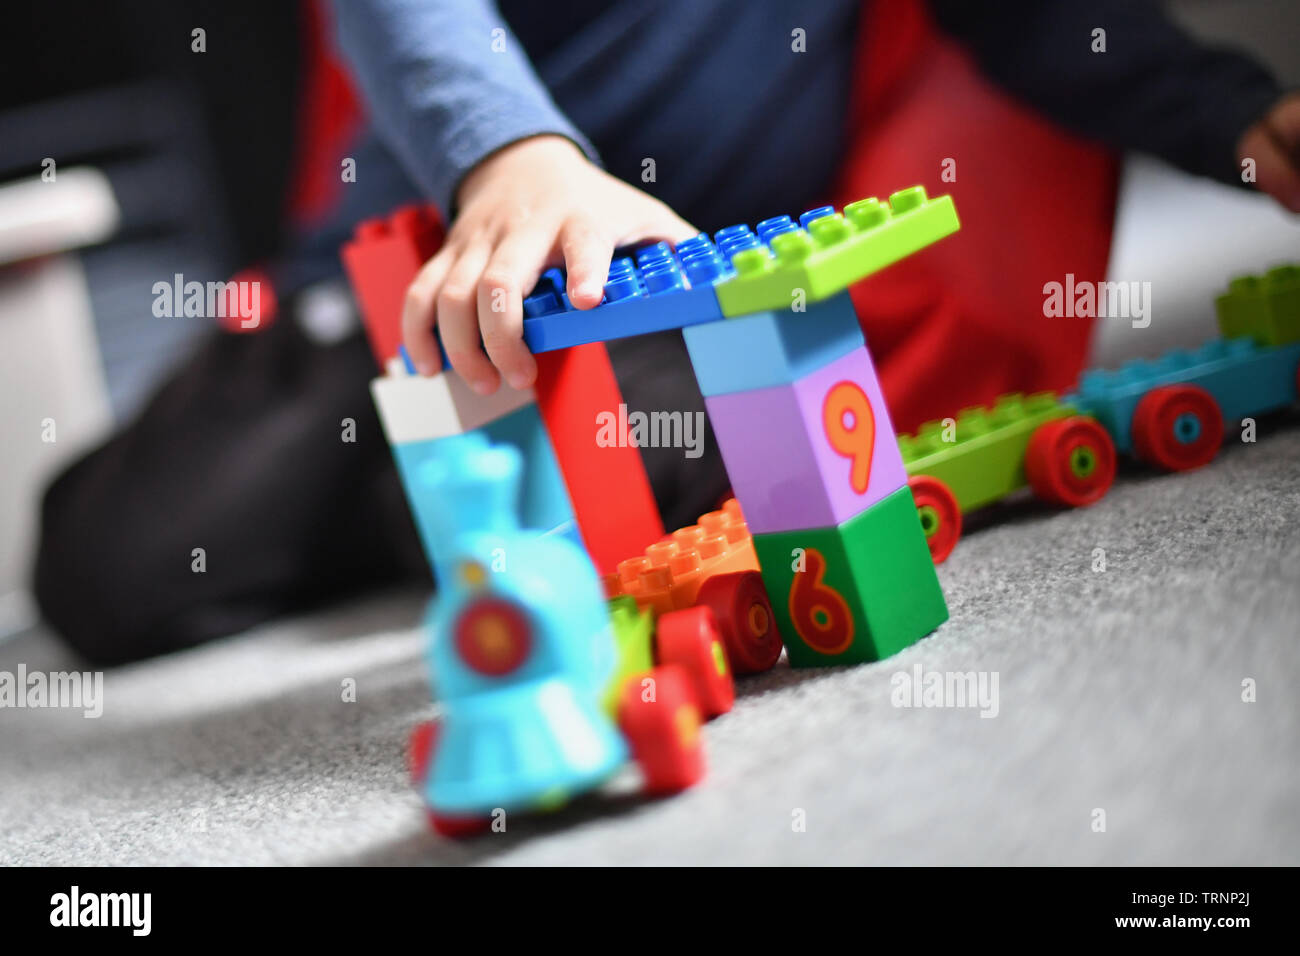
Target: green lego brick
[856,592]
[836,251]
[986,459]
[633,631]
[1266,308]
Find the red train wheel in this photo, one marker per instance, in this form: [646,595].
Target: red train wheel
[458,828]
[419,755]
[662,724]
[1070,461]
[936,506]
[689,638]
[744,616]
[1177,427]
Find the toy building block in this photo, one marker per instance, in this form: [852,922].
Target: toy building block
[811,454]
[663,289]
[669,574]
[771,348]
[520,653]
[1068,459]
[544,499]
[986,460]
[1266,308]
[417,408]
[381,259]
[855,592]
[1172,410]
[827,252]
[613,503]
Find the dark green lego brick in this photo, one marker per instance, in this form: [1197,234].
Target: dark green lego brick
[879,566]
[1266,308]
[986,460]
[836,251]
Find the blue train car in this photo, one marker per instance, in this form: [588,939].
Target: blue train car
[1171,411]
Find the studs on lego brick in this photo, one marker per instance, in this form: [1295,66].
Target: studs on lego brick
[905,200]
[1071,461]
[691,639]
[1177,427]
[866,214]
[813,214]
[936,506]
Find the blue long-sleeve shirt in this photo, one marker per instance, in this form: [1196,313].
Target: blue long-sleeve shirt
[736,120]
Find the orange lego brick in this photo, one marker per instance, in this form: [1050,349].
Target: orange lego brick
[668,576]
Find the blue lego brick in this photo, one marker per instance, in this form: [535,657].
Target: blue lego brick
[771,348]
[1244,378]
[544,499]
[544,502]
[663,289]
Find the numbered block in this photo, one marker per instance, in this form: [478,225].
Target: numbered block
[771,348]
[856,592]
[812,454]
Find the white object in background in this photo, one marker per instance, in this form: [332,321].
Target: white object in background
[1187,236]
[38,218]
[51,385]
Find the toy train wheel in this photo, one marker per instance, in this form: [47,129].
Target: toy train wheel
[657,714]
[1071,461]
[458,828]
[420,752]
[936,506]
[744,615]
[1177,427]
[424,740]
[689,638]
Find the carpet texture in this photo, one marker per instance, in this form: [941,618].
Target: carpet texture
[1119,690]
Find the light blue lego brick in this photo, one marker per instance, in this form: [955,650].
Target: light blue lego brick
[664,289]
[771,348]
[544,499]
[1244,378]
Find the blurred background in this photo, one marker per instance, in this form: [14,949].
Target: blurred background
[166,162]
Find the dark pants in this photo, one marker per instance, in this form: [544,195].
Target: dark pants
[233,497]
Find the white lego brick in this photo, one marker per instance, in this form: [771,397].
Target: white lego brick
[416,408]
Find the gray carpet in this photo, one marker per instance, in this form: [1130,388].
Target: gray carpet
[1119,690]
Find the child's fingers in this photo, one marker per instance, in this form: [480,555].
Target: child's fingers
[511,273]
[1276,172]
[587,253]
[458,320]
[418,316]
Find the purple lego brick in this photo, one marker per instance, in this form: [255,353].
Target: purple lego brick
[799,456]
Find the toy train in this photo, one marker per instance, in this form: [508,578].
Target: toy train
[548,688]
[1169,413]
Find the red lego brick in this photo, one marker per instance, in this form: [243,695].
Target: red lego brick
[381,260]
[612,501]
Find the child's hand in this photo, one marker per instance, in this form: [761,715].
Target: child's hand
[533,204]
[1274,144]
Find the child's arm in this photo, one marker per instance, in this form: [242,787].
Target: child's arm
[454,96]
[1154,88]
